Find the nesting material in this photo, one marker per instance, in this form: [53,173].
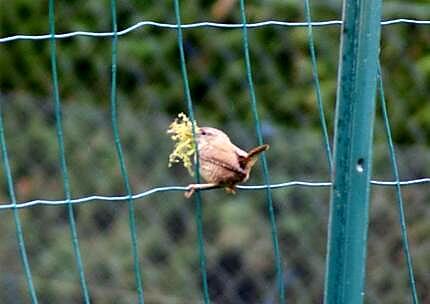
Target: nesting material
[181,130]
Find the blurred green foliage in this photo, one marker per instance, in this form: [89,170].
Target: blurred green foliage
[237,234]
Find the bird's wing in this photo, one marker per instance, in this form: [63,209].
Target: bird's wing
[224,157]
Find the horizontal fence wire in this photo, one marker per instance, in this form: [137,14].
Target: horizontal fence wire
[122,198]
[254,25]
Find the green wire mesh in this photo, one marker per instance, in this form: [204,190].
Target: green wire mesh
[18,226]
[402,218]
[197,197]
[130,197]
[62,155]
[269,200]
[118,146]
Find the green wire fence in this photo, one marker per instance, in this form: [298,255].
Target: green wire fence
[131,215]
[197,198]
[130,196]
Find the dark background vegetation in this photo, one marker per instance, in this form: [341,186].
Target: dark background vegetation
[237,233]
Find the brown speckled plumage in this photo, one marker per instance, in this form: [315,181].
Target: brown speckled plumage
[221,162]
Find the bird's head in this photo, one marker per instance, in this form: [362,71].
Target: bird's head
[208,135]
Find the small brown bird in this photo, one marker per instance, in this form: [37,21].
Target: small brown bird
[221,162]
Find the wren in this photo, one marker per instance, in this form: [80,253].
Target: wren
[221,163]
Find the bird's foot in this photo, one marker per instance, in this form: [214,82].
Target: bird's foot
[230,189]
[191,188]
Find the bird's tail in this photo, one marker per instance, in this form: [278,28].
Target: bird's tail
[257,150]
[253,155]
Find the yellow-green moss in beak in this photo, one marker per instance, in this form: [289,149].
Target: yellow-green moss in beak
[182,134]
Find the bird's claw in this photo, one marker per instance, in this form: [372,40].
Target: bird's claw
[190,191]
[230,189]
[193,187]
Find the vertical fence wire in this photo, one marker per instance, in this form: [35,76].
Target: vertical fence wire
[120,154]
[18,227]
[395,169]
[62,156]
[266,176]
[197,196]
[317,86]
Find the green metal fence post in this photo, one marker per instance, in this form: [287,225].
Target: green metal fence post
[355,109]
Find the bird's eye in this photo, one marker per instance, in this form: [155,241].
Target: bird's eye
[203,132]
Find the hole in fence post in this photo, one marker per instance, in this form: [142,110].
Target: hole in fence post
[360,165]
